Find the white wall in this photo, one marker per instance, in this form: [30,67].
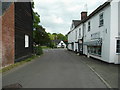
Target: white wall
[108,32]
[119,26]
[114,32]
[78,37]
[71,38]
[102,30]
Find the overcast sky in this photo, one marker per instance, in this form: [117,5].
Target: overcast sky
[57,15]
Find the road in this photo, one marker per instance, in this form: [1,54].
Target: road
[56,68]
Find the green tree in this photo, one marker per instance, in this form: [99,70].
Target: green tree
[40,36]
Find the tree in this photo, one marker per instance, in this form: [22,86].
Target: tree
[40,36]
[61,37]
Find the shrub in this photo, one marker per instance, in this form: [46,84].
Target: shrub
[51,45]
[38,50]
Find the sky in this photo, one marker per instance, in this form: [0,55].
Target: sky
[56,15]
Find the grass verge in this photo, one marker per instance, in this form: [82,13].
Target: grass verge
[45,47]
[18,63]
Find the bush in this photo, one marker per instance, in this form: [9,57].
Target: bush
[51,45]
[38,50]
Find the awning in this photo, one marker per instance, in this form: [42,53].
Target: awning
[97,42]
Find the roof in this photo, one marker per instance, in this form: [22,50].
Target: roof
[56,41]
[92,14]
[76,22]
[95,12]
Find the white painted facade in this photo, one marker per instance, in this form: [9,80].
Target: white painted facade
[108,34]
[61,45]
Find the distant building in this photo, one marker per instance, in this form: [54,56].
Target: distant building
[61,45]
[17,30]
[98,35]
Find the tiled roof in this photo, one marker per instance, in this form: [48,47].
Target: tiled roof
[76,22]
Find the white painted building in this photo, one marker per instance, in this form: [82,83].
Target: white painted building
[61,45]
[98,35]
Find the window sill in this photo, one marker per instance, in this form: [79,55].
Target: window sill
[26,47]
[117,53]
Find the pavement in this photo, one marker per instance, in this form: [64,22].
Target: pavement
[57,68]
[108,72]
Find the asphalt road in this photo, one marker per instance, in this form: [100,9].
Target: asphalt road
[56,68]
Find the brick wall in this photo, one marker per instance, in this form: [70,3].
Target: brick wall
[8,36]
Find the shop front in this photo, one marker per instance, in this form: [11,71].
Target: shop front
[94,47]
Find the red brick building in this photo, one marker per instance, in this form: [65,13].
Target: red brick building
[16,32]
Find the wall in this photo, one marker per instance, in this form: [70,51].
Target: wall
[114,31]
[23,26]
[104,32]
[119,27]
[8,36]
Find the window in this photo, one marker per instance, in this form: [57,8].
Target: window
[95,50]
[89,26]
[118,46]
[26,41]
[101,22]
[79,32]
[76,34]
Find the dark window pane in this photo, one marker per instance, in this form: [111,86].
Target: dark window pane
[118,46]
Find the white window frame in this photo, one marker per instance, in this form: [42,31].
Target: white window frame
[26,41]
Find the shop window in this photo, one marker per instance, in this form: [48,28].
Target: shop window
[95,50]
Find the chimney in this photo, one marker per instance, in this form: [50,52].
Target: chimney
[83,15]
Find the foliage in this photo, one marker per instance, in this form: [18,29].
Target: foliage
[45,47]
[51,45]
[40,36]
[38,50]
[36,20]
[61,37]
[56,36]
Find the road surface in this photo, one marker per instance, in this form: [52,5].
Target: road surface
[56,68]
